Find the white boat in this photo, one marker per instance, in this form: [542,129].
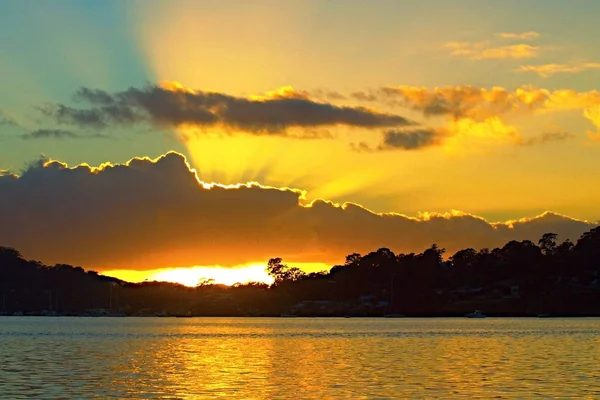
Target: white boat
[475,314]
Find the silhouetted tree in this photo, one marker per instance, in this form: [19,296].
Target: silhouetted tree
[281,272]
[547,243]
[517,278]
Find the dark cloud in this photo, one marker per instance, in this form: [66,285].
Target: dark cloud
[406,139]
[59,134]
[176,106]
[82,118]
[410,139]
[152,214]
[98,118]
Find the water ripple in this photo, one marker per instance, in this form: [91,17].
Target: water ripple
[51,358]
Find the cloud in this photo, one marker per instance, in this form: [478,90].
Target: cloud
[327,94]
[593,114]
[482,103]
[469,49]
[6,121]
[483,50]
[173,105]
[407,139]
[364,96]
[480,113]
[150,214]
[513,51]
[548,137]
[410,140]
[458,135]
[490,130]
[547,70]
[461,101]
[519,36]
[59,134]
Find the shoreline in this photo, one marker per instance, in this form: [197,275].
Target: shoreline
[539,316]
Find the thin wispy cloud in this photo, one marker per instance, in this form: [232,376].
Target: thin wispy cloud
[483,51]
[494,49]
[60,134]
[548,137]
[468,49]
[547,70]
[593,114]
[6,121]
[529,35]
[513,51]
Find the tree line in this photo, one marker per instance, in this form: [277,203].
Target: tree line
[522,278]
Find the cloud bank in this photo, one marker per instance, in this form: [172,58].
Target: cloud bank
[150,214]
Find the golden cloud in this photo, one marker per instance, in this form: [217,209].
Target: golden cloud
[481,103]
[478,113]
[456,101]
[492,128]
[512,51]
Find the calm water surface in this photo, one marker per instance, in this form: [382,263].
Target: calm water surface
[297,358]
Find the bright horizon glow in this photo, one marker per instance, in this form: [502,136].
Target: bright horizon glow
[191,276]
[224,276]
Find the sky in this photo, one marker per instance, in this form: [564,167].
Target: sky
[185,139]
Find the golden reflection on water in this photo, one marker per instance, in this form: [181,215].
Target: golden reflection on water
[252,358]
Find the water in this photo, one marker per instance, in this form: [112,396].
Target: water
[297,358]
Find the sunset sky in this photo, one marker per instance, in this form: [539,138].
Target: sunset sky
[183,139]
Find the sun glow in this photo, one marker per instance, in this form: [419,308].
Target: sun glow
[192,276]
[225,276]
